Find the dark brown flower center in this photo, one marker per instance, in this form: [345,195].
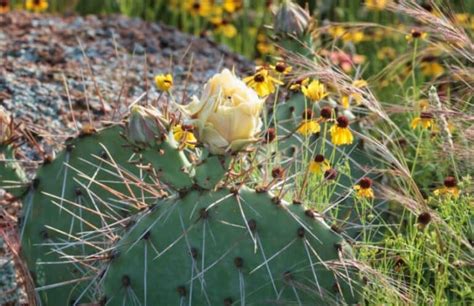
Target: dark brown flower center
[415,33]
[342,121]
[319,158]
[3,3]
[450,182]
[307,114]
[424,218]
[187,127]
[426,115]
[280,67]
[365,183]
[326,112]
[330,174]
[270,135]
[259,78]
[278,172]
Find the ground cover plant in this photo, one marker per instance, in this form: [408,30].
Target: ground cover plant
[337,171]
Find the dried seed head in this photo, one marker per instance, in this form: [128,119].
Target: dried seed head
[342,121]
[280,67]
[319,158]
[278,173]
[187,127]
[365,183]
[426,115]
[450,182]
[270,135]
[424,218]
[307,114]
[330,174]
[259,78]
[326,112]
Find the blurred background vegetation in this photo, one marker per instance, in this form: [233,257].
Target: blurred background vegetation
[240,24]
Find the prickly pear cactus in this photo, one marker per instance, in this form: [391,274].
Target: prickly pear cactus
[229,247]
[123,216]
[93,183]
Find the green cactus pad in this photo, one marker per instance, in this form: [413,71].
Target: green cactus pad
[12,177]
[93,183]
[228,248]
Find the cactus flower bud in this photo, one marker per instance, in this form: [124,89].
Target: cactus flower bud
[144,125]
[291,19]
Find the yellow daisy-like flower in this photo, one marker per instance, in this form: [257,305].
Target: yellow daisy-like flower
[340,133]
[386,53]
[450,188]
[298,84]
[425,120]
[36,6]
[376,5]
[281,68]
[164,81]
[201,8]
[416,34]
[308,127]
[227,29]
[360,83]
[431,69]
[4,6]
[319,165]
[262,82]
[364,188]
[184,135]
[315,91]
[230,6]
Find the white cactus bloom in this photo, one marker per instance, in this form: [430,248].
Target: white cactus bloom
[227,116]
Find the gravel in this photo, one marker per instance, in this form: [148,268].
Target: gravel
[106,62]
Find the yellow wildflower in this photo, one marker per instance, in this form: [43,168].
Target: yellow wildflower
[184,135]
[347,99]
[416,34]
[340,133]
[364,188]
[376,5]
[265,48]
[308,126]
[315,91]
[425,120]
[298,84]
[360,83]
[226,28]
[231,6]
[430,67]
[164,81]
[450,188]
[319,165]
[4,6]
[386,53]
[262,82]
[36,6]
[201,8]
